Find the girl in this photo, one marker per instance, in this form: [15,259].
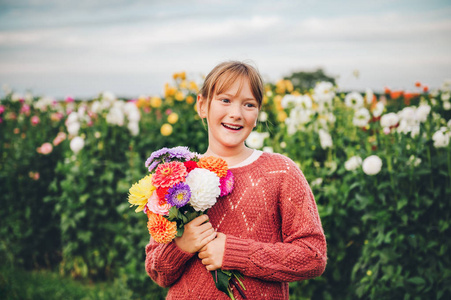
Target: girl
[268,228]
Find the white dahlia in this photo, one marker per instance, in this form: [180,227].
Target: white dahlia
[353,163]
[354,100]
[205,188]
[361,117]
[372,165]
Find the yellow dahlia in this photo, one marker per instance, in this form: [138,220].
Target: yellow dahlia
[140,192]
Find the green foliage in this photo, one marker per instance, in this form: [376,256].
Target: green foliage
[304,81]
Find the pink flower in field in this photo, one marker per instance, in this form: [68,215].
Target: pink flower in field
[69,99]
[45,149]
[34,175]
[35,120]
[1,120]
[59,138]
[2,109]
[56,117]
[168,111]
[25,109]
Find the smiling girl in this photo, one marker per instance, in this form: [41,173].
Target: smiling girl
[268,228]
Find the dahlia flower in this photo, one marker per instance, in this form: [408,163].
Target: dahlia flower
[140,192]
[204,186]
[372,165]
[170,173]
[156,206]
[77,144]
[354,100]
[361,117]
[325,139]
[161,229]
[353,163]
[226,183]
[215,164]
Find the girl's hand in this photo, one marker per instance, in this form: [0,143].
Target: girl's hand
[212,254]
[196,235]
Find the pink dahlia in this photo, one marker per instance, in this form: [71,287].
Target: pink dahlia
[168,174]
[154,205]
[226,183]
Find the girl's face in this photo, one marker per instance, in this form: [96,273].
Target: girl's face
[231,116]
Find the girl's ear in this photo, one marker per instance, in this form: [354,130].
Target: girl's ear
[201,106]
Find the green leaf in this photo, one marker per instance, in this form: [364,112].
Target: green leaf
[222,282]
[173,213]
[417,280]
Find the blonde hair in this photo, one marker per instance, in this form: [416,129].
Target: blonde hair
[225,74]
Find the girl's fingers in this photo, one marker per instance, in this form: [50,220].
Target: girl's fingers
[199,220]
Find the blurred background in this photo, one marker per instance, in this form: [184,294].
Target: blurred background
[66,48]
[357,93]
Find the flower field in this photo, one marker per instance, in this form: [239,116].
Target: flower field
[379,166]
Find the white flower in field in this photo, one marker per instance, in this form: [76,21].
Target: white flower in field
[108,96]
[96,107]
[73,128]
[29,98]
[372,165]
[133,127]
[422,112]
[300,116]
[291,126]
[389,120]
[268,149]
[445,96]
[288,101]
[415,131]
[446,105]
[255,139]
[205,188]
[449,124]
[361,117]
[325,139]
[263,116]
[283,145]
[115,116]
[414,161]
[43,103]
[304,102]
[378,109]
[77,144]
[353,163]
[132,112]
[323,92]
[354,100]
[317,182]
[369,95]
[408,114]
[72,118]
[16,97]
[441,138]
[446,85]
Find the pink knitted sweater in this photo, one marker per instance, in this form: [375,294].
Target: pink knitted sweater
[273,236]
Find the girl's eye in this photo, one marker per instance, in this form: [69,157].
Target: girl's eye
[225,100]
[250,105]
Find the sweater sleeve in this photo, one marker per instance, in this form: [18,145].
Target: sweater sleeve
[165,263]
[302,252]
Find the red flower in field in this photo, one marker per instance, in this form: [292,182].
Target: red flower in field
[387,90]
[417,84]
[425,89]
[35,120]
[396,94]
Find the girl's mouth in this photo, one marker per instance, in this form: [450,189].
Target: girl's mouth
[232,127]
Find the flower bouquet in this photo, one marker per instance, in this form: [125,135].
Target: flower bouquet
[181,186]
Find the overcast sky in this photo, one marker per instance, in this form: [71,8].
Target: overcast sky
[130,47]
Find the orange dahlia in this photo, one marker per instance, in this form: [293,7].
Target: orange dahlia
[161,229]
[168,174]
[214,164]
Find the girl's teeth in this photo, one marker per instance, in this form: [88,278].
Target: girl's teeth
[232,127]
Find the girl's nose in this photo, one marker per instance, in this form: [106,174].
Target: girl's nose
[235,111]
